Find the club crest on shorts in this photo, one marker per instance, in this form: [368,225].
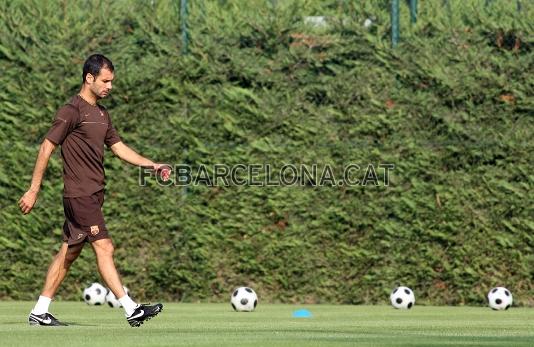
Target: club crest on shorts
[94,230]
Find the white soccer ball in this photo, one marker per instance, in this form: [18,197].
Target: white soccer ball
[95,294]
[402,297]
[244,299]
[112,301]
[500,298]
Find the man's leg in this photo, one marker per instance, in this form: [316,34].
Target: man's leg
[59,267]
[56,273]
[106,266]
[135,314]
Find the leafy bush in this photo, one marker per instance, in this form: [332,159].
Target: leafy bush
[451,108]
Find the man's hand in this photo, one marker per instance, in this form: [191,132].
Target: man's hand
[27,201]
[164,170]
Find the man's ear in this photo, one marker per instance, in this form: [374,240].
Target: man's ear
[89,78]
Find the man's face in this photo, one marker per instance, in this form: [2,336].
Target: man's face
[101,85]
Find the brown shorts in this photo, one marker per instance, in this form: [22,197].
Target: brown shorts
[84,220]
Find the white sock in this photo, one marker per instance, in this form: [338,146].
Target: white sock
[42,305]
[128,304]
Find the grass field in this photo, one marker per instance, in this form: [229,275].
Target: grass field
[271,325]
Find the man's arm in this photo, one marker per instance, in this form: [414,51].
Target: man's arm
[129,155]
[27,201]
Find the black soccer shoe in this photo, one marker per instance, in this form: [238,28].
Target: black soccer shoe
[142,313]
[45,319]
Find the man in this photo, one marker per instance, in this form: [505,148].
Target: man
[81,128]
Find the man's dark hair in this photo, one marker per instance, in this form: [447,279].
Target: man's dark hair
[94,64]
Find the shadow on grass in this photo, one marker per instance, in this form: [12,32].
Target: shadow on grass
[44,327]
[74,324]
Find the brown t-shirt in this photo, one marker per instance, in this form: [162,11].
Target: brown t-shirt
[82,130]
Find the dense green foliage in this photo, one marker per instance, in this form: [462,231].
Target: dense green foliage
[273,325]
[451,108]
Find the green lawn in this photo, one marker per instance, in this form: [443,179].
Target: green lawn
[271,325]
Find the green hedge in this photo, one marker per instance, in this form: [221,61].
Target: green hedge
[451,107]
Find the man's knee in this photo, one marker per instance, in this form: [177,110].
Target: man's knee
[104,247]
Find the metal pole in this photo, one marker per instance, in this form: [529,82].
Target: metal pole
[413,11]
[183,26]
[395,22]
